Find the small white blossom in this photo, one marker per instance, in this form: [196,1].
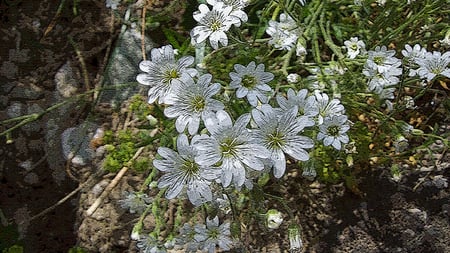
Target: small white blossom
[284,33]
[307,104]
[434,64]
[213,24]
[162,70]
[279,133]
[333,131]
[112,4]
[381,2]
[186,238]
[237,9]
[192,101]
[400,144]
[382,58]
[412,54]
[354,47]
[232,145]
[149,244]
[251,82]
[328,107]
[135,201]
[181,172]
[445,42]
[213,235]
[295,241]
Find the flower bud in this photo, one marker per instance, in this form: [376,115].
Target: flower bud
[294,239]
[274,219]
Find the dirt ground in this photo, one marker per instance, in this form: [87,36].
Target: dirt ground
[411,214]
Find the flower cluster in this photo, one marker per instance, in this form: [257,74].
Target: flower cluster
[215,22]
[205,237]
[383,69]
[426,65]
[228,151]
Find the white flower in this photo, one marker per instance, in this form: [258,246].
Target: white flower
[377,80]
[281,40]
[302,2]
[182,172]
[213,24]
[192,101]
[237,9]
[212,234]
[412,54]
[284,33]
[135,201]
[149,244]
[354,47]
[112,4]
[333,131]
[300,50]
[251,82]
[382,58]
[233,146]
[162,70]
[434,64]
[279,133]
[186,238]
[327,107]
[307,104]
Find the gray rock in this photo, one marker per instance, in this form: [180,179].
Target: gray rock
[75,143]
[123,67]
[16,109]
[3,102]
[22,91]
[66,80]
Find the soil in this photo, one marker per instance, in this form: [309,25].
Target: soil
[381,214]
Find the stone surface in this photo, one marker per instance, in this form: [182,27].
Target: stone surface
[123,67]
[75,143]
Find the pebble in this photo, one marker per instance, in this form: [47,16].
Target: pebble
[15,110]
[23,92]
[31,178]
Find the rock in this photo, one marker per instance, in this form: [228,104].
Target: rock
[66,80]
[123,67]
[75,143]
[3,102]
[29,92]
[16,109]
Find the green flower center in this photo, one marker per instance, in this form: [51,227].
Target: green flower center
[333,130]
[378,59]
[249,81]
[190,167]
[198,103]
[215,26]
[171,74]
[354,47]
[276,139]
[213,233]
[228,147]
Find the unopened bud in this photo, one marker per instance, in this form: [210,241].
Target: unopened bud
[274,219]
